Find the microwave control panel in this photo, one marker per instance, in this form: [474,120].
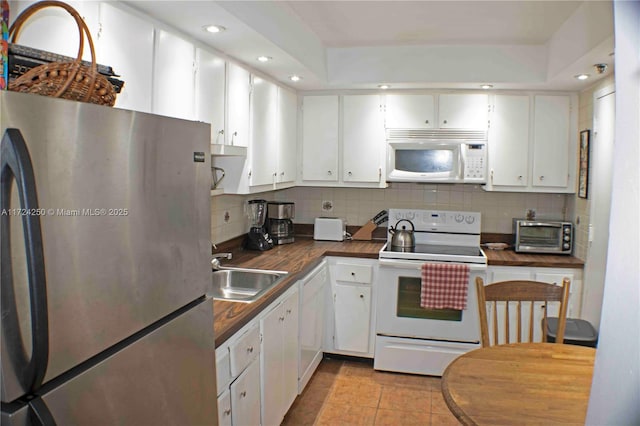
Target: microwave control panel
[475,165]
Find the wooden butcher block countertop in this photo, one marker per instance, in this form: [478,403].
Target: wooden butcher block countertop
[511,258]
[305,253]
[297,259]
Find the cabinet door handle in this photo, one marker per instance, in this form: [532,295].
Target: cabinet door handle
[288,311]
[227,412]
[329,172]
[233,135]
[541,177]
[349,173]
[444,122]
[353,274]
[520,177]
[281,319]
[362,296]
[250,349]
[426,121]
[243,394]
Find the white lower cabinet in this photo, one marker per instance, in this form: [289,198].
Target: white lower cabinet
[238,378]
[312,307]
[352,304]
[257,368]
[350,319]
[224,409]
[279,358]
[549,275]
[245,396]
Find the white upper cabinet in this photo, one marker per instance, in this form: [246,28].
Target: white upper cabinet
[343,141]
[174,76]
[210,93]
[263,145]
[454,111]
[55,30]
[238,90]
[509,141]
[530,144]
[320,138]
[409,112]
[125,42]
[463,111]
[551,141]
[287,135]
[363,139]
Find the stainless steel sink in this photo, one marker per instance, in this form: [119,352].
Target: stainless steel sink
[243,285]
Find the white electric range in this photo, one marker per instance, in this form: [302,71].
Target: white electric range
[412,339]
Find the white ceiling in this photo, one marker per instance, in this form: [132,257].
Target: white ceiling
[380,23]
[407,44]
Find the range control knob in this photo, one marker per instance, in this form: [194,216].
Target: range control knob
[566,246]
[567,230]
[567,238]
[469,219]
[459,218]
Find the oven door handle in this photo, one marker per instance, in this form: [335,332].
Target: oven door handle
[417,265]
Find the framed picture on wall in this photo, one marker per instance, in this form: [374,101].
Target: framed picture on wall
[583,171]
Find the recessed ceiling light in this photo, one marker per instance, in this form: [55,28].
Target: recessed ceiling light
[264,58]
[383,86]
[487,86]
[295,78]
[214,28]
[581,76]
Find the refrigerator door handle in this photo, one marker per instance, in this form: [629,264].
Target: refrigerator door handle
[16,166]
[39,413]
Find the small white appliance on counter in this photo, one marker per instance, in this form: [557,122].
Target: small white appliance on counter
[411,339]
[329,229]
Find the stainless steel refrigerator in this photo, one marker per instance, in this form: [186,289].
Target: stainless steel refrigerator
[105,250]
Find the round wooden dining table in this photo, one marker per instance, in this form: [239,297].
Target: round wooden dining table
[520,383]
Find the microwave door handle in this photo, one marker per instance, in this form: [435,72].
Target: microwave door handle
[16,165]
[461,162]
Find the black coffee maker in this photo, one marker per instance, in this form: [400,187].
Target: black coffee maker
[257,238]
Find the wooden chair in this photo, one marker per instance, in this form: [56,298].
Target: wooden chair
[520,292]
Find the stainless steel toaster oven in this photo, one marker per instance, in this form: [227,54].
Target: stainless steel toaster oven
[543,236]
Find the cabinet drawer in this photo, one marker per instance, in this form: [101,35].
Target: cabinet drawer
[353,273]
[224,409]
[245,350]
[223,370]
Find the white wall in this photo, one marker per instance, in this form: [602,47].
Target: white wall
[615,391]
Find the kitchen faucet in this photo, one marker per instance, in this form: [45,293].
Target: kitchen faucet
[215,261]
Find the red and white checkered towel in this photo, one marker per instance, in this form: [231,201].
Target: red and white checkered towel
[444,286]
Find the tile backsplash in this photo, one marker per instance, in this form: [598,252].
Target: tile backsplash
[358,205]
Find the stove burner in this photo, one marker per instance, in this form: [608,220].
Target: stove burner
[399,249]
[437,249]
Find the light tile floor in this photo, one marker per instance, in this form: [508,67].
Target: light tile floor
[346,392]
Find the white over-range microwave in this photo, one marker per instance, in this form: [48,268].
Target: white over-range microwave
[436,156]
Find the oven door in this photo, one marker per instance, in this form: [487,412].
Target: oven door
[399,313]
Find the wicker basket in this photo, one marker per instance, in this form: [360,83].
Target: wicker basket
[67,80]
